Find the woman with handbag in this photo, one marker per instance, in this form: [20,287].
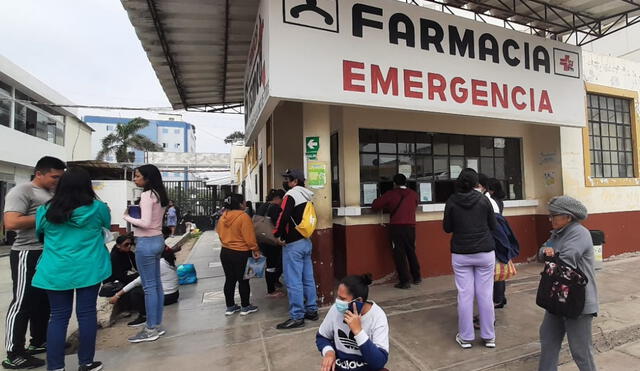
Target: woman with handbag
[469,215]
[74,262]
[238,239]
[571,242]
[273,252]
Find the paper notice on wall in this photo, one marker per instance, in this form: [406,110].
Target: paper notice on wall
[370,192]
[472,163]
[405,170]
[425,192]
[317,174]
[455,171]
[549,178]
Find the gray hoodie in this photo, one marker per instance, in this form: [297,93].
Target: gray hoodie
[574,245]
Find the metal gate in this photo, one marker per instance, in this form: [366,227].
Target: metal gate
[195,200]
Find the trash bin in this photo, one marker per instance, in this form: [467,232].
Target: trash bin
[598,247]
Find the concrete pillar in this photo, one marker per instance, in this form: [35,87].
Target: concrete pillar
[316,120]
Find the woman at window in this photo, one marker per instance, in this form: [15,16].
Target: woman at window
[468,214]
[354,335]
[571,241]
[149,247]
[74,261]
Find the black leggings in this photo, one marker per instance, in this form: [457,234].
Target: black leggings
[274,265]
[234,263]
[136,299]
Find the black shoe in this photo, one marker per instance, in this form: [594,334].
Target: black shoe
[401,285]
[313,316]
[417,282]
[140,321]
[291,323]
[95,366]
[35,349]
[19,362]
[279,284]
[500,305]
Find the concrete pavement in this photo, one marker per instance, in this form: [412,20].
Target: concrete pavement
[422,322]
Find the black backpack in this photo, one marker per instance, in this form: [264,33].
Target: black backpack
[562,288]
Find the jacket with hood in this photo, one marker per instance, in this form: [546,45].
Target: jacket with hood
[74,254]
[293,204]
[401,203]
[236,232]
[469,216]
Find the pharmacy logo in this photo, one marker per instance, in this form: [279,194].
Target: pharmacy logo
[318,14]
[566,63]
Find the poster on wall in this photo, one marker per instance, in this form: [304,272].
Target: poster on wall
[370,192]
[425,192]
[316,174]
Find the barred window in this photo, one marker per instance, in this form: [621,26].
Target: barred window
[610,139]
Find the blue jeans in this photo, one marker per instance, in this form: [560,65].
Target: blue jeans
[61,303]
[148,253]
[298,272]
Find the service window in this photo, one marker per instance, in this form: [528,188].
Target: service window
[432,161]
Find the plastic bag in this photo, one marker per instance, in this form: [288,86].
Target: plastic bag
[255,268]
[187,274]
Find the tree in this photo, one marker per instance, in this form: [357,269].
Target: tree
[233,137]
[126,136]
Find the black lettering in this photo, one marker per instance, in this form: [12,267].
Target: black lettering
[426,25]
[527,63]
[409,35]
[492,50]
[511,61]
[359,21]
[464,45]
[541,58]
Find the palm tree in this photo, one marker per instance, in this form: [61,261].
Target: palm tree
[126,137]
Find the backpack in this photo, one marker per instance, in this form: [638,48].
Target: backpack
[263,226]
[309,221]
[562,288]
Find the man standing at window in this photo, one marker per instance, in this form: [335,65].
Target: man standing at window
[401,202]
[30,306]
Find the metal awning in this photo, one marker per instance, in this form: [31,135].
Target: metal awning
[199,48]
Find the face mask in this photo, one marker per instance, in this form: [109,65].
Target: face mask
[342,306]
[285,185]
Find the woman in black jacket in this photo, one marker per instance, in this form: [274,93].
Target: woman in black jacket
[469,215]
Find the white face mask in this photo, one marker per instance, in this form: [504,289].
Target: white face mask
[342,306]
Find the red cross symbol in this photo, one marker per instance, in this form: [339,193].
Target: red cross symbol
[567,63]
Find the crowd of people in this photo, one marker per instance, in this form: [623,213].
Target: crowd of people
[61,225]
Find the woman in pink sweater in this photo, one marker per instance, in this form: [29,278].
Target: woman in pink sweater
[149,247]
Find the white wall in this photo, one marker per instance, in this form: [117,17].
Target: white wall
[24,149]
[77,140]
[116,194]
[172,137]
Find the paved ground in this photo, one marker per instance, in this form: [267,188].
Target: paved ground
[422,322]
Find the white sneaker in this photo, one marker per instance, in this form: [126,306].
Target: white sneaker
[463,343]
[491,343]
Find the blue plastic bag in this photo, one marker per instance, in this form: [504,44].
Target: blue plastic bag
[187,274]
[255,268]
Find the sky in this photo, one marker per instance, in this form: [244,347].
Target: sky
[88,51]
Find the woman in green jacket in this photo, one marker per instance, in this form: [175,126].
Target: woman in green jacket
[74,259]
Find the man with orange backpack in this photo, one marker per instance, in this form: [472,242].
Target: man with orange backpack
[294,228]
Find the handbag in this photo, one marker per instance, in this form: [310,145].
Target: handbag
[504,271]
[264,230]
[562,288]
[255,268]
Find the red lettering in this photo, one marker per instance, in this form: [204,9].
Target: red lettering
[348,76]
[390,82]
[514,97]
[532,100]
[545,102]
[433,88]
[499,96]
[410,84]
[462,90]
[478,97]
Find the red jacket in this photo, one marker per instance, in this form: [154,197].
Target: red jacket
[401,203]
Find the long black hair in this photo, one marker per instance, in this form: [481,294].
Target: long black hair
[234,201]
[358,285]
[495,186]
[154,182]
[467,180]
[74,190]
[169,256]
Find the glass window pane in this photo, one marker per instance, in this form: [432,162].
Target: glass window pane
[593,170]
[598,158]
[593,100]
[618,105]
[630,171]
[32,121]
[594,114]
[60,128]
[499,170]
[486,166]
[627,132]
[473,163]
[596,143]
[406,142]
[614,172]
[610,103]
[620,143]
[486,146]
[628,158]
[406,166]
[456,145]
[611,116]
[498,152]
[599,171]
[387,142]
[471,146]
[595,128]
[388,167]
[620,131]
[5,112]
[441,168]
[606,171]
[424,168]
[368,140]
[602,101]
[441,144]
[20,119]
[5,88]
[622,171]
[626,119]
[368,167]
[627,144]
[455,166]
[423,143]
[613,144]
[605,143]
[606,157]
[603,115]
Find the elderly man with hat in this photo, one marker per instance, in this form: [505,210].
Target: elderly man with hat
[571,241]
[296,253]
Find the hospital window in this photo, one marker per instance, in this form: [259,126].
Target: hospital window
[610,139]
[432,161]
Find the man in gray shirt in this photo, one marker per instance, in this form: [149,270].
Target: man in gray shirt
[30,306]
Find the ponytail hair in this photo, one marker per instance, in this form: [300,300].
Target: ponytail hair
[234,201]
[358,285]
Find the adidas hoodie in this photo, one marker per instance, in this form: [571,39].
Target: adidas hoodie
[368,351]
[293,204]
